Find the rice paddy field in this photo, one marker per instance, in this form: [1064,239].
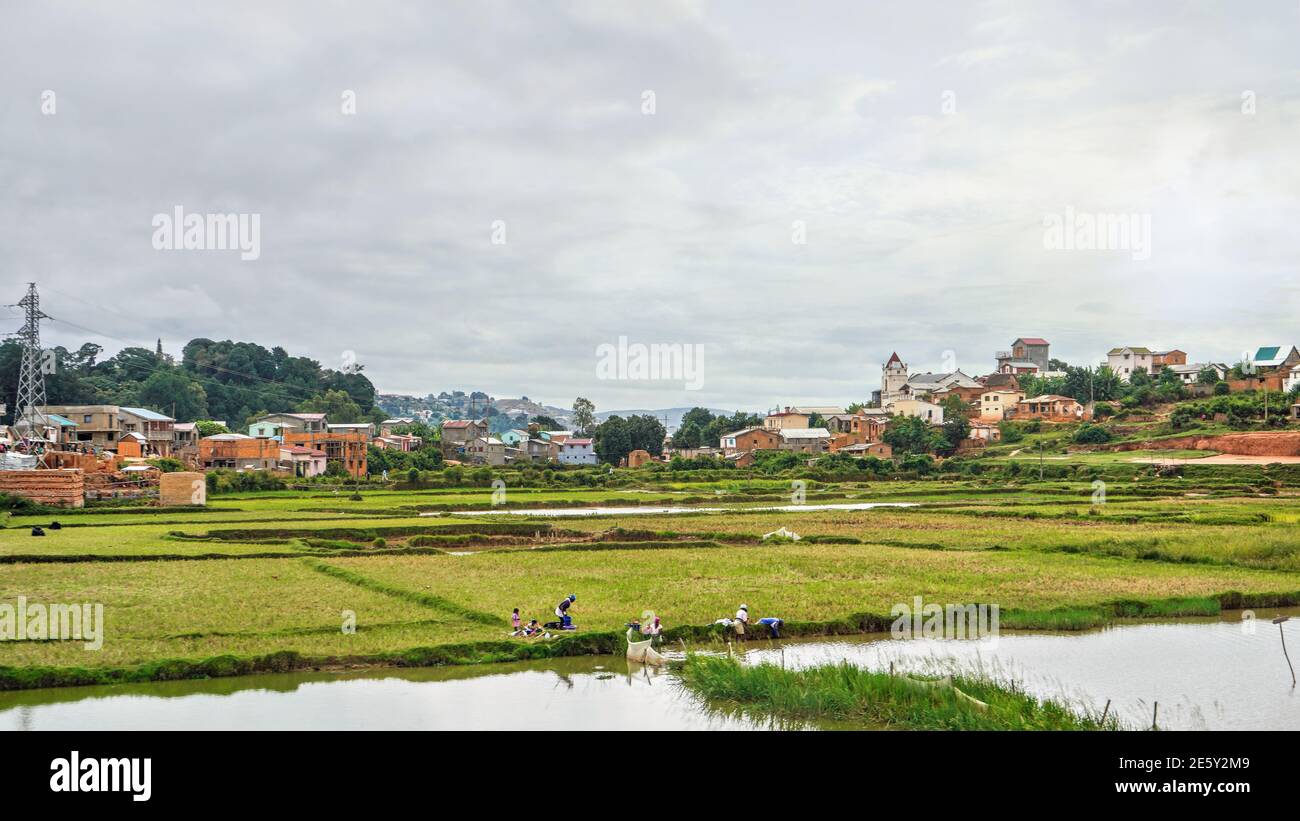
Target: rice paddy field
[302,580]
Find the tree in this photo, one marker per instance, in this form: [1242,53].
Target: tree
[584,415]
[647,433]
[1090,434]
[1207,376]
[206,427]
[546,423]
[816,420]
[956,422]
[613,440]
[909,434]
[337,406]
[173,392]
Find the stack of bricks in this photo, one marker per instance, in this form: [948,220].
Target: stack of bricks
[182,488]
[57,488]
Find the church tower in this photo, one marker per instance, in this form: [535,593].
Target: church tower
[893,376]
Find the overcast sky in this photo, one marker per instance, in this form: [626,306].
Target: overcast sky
[917,146]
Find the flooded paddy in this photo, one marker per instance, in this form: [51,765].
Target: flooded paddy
[1214,673]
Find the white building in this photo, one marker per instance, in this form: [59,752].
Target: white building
[578,452]
[919,408]
[1127,360]
[1292,380]
[995,404]
[893,376]
[1189,374]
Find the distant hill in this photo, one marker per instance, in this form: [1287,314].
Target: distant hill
[514,407]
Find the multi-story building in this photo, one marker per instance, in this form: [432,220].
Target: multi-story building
[575,451]
[994,404]
[278,424]
[1033,350]
[893,376]
[101,426]
[750,439]
[238,451]
[1128,360]
[348,448]
[788,418]
[458,434]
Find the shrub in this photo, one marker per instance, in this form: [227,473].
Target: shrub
[1090,434]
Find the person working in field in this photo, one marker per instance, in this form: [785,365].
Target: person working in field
[562,611]
[774,626]
[742,619]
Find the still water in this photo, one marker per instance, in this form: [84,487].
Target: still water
[1220,673]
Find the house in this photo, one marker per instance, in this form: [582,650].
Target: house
[97,426]
[388,426]
[51,427]
[1190,374]
[741,458]
[994,404]
[1162,359]
[542,450]
[1000,381]
[132,445]
[485,450]
[1028,354]
[347,447]
[513,437]
[869,424]
[877,449]
[1128,360]
[929,384]
[302,461]
[893,376]
[185,436]
[822,410]
[404,442]
[788,418]
[1279,357]
[1050,407]
[805,440]
[156,428]
[277,424]
[984,431]
[556,436]
[919,408]
[638,457]
[1292,380]
[238,452]
[576,451]
[750,439]
[365,428]
[968,394]
[458,433]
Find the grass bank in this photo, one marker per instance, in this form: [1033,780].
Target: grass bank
[853,697]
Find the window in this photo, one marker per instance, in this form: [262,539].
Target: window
[85,419]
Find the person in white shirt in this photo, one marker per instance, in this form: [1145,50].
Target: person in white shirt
[742,618]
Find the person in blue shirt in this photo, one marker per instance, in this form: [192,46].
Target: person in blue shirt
[774,626]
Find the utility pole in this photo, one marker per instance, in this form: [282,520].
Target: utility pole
[31,377]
